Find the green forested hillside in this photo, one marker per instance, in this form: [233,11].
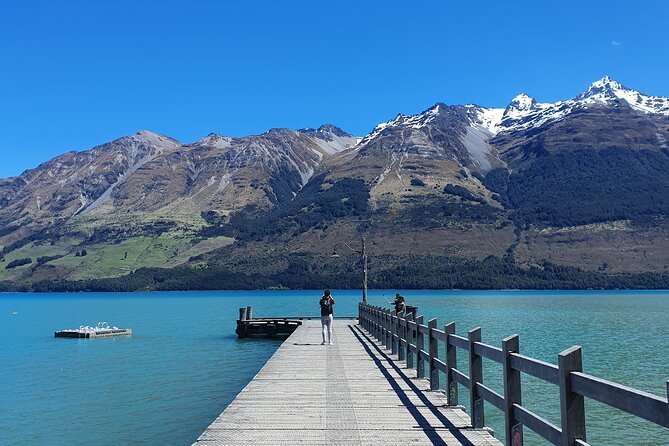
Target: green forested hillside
[581,187]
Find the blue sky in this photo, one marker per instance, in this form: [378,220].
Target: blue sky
[75,74]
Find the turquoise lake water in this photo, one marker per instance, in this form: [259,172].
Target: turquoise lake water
[184,364]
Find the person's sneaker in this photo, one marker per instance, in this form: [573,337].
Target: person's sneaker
[323,343]
[331,343]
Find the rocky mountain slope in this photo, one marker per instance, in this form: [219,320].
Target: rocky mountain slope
[581,182]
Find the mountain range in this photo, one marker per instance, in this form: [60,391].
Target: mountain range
[567,194]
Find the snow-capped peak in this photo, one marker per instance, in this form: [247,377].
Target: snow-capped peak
[524,112]
[522,102]
[605,88]
[519,107]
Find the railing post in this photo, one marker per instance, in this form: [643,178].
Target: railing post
[512,395]
[242,314]
[475,376]
[362,315]
[388,328]
[402,317]
[433,347]
[572,405]
[382,334]
[393,349]
[420,345]
[409,355]
[451,363]
[382,326]
[379,320]
[375,333]
[375,325]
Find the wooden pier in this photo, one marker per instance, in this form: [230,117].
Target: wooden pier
[379,384]
[350,393]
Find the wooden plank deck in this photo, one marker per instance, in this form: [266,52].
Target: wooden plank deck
[349,393]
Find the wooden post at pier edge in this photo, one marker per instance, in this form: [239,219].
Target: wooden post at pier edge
[475,377]
[572,405]
[451,364]
[434,354]
[512,395]
[420,345]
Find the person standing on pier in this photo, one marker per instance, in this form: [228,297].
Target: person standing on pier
[399,303]
[327,302]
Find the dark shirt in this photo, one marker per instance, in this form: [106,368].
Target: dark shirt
[326,305]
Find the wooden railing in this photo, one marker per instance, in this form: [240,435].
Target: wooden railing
[411,338]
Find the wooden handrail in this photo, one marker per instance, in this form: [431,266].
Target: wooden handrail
[418,344]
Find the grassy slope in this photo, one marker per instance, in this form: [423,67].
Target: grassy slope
[168,249]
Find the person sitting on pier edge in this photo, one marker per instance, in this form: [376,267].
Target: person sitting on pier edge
[399,303]
[327,302]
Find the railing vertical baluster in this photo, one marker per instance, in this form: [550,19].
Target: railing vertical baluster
[393,332]
[363,309]
[383,327]
[512,395]
[451,363]
[375,318]
[388,330]
[362,315]
[409,332]
[433,347]
[572,405]
[475,376]
[374,324]
[372,328]
[420,345]
[400,335]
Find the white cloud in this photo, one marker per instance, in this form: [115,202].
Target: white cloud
[616,43]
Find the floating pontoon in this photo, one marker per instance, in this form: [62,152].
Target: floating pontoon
[102,330]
